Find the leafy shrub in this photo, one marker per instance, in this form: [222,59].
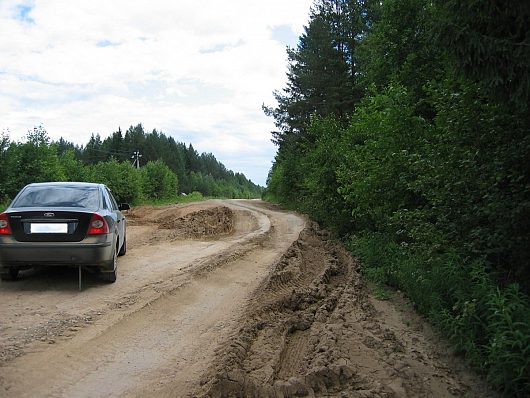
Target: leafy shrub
[73,169]
[158,181]
[32,161]
[486,323]
[122,178]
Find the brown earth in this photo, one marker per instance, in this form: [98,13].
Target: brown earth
[221,299]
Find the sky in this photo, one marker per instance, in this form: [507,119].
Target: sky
[198,71]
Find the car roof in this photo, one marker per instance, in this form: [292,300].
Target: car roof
[66,184]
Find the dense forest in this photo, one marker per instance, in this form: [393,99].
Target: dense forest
[167,168]
[405,127]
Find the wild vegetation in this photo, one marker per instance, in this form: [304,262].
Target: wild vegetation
[405,127]
[168,168]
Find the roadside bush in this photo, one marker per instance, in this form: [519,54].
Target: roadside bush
[73,169]
[158,181]
[122,178]
[488,324]
[32,161]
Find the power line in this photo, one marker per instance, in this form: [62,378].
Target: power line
[112,152]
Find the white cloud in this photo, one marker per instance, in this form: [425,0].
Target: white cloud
[196,70]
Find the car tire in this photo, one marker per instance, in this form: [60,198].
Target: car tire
[110,276]
[123,249]
[9,274]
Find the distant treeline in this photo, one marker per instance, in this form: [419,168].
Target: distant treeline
[405,126]
[168,168]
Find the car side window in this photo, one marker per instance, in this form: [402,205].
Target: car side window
[112,200]
[106,202]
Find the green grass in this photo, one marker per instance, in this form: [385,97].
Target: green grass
[382,293]
[192,197]
[488,324]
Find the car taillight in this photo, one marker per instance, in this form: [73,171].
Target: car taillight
[98,225]
[5,229]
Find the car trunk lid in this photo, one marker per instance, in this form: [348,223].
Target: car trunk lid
[49,225]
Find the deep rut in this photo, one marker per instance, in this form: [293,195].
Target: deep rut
[312,330]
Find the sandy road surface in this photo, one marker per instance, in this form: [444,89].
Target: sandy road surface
[220,298]
[159,324]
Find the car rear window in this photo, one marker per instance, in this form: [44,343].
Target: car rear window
[58,196]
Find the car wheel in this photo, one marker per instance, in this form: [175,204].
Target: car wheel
[123,249]
[9,274]
[110,276]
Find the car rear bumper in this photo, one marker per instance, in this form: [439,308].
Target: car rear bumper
[97,252]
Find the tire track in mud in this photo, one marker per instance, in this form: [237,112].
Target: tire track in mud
[269,355]
[312,330]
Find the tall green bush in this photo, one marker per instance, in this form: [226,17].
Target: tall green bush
[158,181]
[487,324]
[122,178]
[73,169]
[380,150]
[34,160]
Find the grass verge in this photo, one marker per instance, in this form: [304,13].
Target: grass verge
[192,197]
[488,324]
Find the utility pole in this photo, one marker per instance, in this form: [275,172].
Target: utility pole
[136,159]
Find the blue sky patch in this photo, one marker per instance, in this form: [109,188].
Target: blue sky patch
[22,13]
[106,43]
[221,47]
[285,35]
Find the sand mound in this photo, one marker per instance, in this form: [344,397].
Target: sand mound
[203,223]
[183,222]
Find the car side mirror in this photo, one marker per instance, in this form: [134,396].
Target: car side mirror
[125,206]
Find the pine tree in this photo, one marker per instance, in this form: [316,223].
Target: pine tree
[93,152]
[322,72]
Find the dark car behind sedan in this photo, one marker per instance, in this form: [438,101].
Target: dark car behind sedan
[62,224]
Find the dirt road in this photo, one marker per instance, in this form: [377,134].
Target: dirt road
[219,298]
